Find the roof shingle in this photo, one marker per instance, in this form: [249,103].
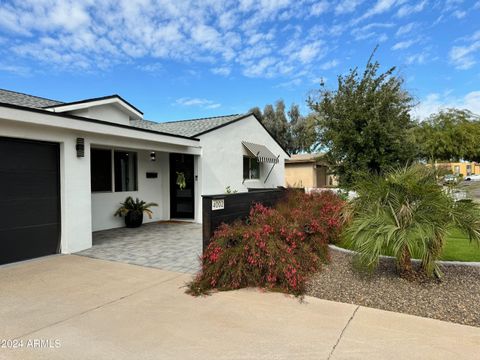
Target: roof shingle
[20,99]
[190,128]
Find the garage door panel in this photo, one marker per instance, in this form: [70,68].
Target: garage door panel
[28,212]
[27,185]
[28,243]
[30,203]
[34,156]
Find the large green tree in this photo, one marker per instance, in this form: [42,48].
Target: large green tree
[449,135]
[364,124]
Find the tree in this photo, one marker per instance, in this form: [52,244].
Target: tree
[304,134]
[364,124]
[275,122]
[257,112]
[293,131]
[407,214]
[449,135]
[281,129]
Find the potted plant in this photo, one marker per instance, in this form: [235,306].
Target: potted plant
[133,211]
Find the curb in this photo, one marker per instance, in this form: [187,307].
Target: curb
[441,262]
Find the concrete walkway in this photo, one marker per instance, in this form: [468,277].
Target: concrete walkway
[173,246]
[97,309]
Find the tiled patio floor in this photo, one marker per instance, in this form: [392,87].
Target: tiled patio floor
[168,246]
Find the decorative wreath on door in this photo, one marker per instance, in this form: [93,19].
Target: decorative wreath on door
[182,184]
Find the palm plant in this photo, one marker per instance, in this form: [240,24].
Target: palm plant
[406,214]
[136,206]
[133,211]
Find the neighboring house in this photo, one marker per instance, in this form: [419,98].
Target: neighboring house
[308,171]
[461,168]
[65,167]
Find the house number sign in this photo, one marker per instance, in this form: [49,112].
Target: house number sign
[218,204]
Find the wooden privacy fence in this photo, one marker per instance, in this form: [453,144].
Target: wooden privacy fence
[226,208]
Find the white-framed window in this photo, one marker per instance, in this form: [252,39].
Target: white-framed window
[251,168]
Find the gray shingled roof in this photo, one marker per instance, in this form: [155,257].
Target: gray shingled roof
[16,98]
[190,128]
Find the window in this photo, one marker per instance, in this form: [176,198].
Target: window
[101,170]
[125,171]
[251,168]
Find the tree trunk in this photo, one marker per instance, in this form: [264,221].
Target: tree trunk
[405,263]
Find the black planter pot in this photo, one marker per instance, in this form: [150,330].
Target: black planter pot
[134,219]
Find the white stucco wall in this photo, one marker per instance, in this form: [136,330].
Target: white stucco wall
[222,158]
[78,204]
[104,204]
[104,112]
[76,227]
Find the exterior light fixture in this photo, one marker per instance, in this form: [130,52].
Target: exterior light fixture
[80,147]
[153,156]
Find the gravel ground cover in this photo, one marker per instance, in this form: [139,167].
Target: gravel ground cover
[455,298]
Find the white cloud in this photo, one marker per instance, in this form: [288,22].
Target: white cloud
[419,58]
[408,9]
[319,8]
[464,56]
[15,69]
[198,102]
[405,29]
[435,102]
[308,52]
[459,14]
[329,64]
[370,31]
[223,70]
[402,45]
[347,6]
[380,7]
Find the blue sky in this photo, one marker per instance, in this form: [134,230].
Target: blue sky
[177,59]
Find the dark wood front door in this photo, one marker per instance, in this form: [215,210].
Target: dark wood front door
[182,183]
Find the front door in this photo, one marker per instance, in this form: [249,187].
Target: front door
[182,183]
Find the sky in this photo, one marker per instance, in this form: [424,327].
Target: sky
[180,59]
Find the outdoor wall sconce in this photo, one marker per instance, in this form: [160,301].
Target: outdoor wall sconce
[153,156]
[80,147]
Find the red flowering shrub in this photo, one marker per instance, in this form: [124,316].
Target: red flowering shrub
[276,248]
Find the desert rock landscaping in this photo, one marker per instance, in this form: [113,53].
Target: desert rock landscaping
[455,298]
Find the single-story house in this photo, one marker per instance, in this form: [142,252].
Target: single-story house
[308,171]
[464,168]
[65,167]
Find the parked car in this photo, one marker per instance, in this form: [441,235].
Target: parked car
[450,179]
[474,177]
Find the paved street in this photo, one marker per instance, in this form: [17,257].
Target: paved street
[94,309]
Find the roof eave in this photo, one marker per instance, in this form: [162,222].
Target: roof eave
[97,121]
[105,100]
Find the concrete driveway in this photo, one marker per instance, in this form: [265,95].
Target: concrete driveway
[75,307]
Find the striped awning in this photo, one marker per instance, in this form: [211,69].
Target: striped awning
[261,152]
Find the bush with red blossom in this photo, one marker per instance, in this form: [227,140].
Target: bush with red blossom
[275,248]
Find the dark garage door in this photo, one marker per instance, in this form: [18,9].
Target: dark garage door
[29,200]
